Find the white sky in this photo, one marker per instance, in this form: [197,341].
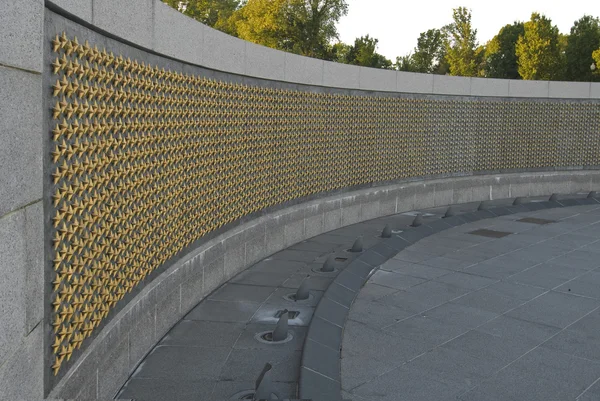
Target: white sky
[397,23]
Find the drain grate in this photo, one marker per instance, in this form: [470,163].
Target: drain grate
[490,233]
[341,259]
[292,314]
[535,220]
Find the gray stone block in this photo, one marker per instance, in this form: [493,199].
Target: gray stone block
[168,312]
[264,62]
[304,70]
[443,193]
[406,198]
[214,275]
[387,204]
[22,372]
[192,287]
[314,225]
[569,90]
[223,52]
[294,232]
[177,35]
[34,265]
[141,338]
[274,241]
[12,285]
[235,254]
[21,30]
[321,359]
[130,20]
[424,195]
[410,82]
[500,188]
[463,191]
[489,87]
[194,333]
[451,85]
[255,250]
[332,215]
[595,90]
[71,385]
[113,370]
[528,88]
[79,8]
[351,214]
[183,363]
[20,135]
[338,75]
[377,79]
[316,387]
[332,312]
[370,207]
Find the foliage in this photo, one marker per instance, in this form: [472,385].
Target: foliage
[583,40]
[430,52]
[538,50]
[264,22]
[363,53]
[500,52]
[405,63]
[214,13]
[596,57]
[461,45]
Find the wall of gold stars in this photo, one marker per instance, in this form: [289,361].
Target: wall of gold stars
[145,161]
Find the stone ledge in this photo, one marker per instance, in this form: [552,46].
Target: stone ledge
[172,294]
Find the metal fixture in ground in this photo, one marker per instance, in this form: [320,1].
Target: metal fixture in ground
[280,335]
[387,232]
[417,221]
[328,265]
[357,246]
[553,198]
[302,294]
[518,201]
[449,212]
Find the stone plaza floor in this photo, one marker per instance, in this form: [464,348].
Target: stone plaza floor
[506,314]
[504,308]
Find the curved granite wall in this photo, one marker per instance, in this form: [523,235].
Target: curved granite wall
[170,167]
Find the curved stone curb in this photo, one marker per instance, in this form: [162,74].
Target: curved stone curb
[320,370]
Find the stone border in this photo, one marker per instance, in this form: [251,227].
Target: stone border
[156,27]
[108,361]
[323,344]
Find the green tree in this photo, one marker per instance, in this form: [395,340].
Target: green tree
[461,45]
[500,53]
[405,63]
[364,53]
[539,50]
[430,53]
[304,27]
[596,67]
[214,13]
[583,40]
[264,22]
[312,25]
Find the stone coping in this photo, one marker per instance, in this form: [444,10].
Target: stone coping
[158,28]
[326,329]
[107,363]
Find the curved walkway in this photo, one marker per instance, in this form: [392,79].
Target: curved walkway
[500,309]
[441,289]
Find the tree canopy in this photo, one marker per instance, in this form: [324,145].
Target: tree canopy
[583,40]
[538,50]
[461,44]
[500,52]
[529,50]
